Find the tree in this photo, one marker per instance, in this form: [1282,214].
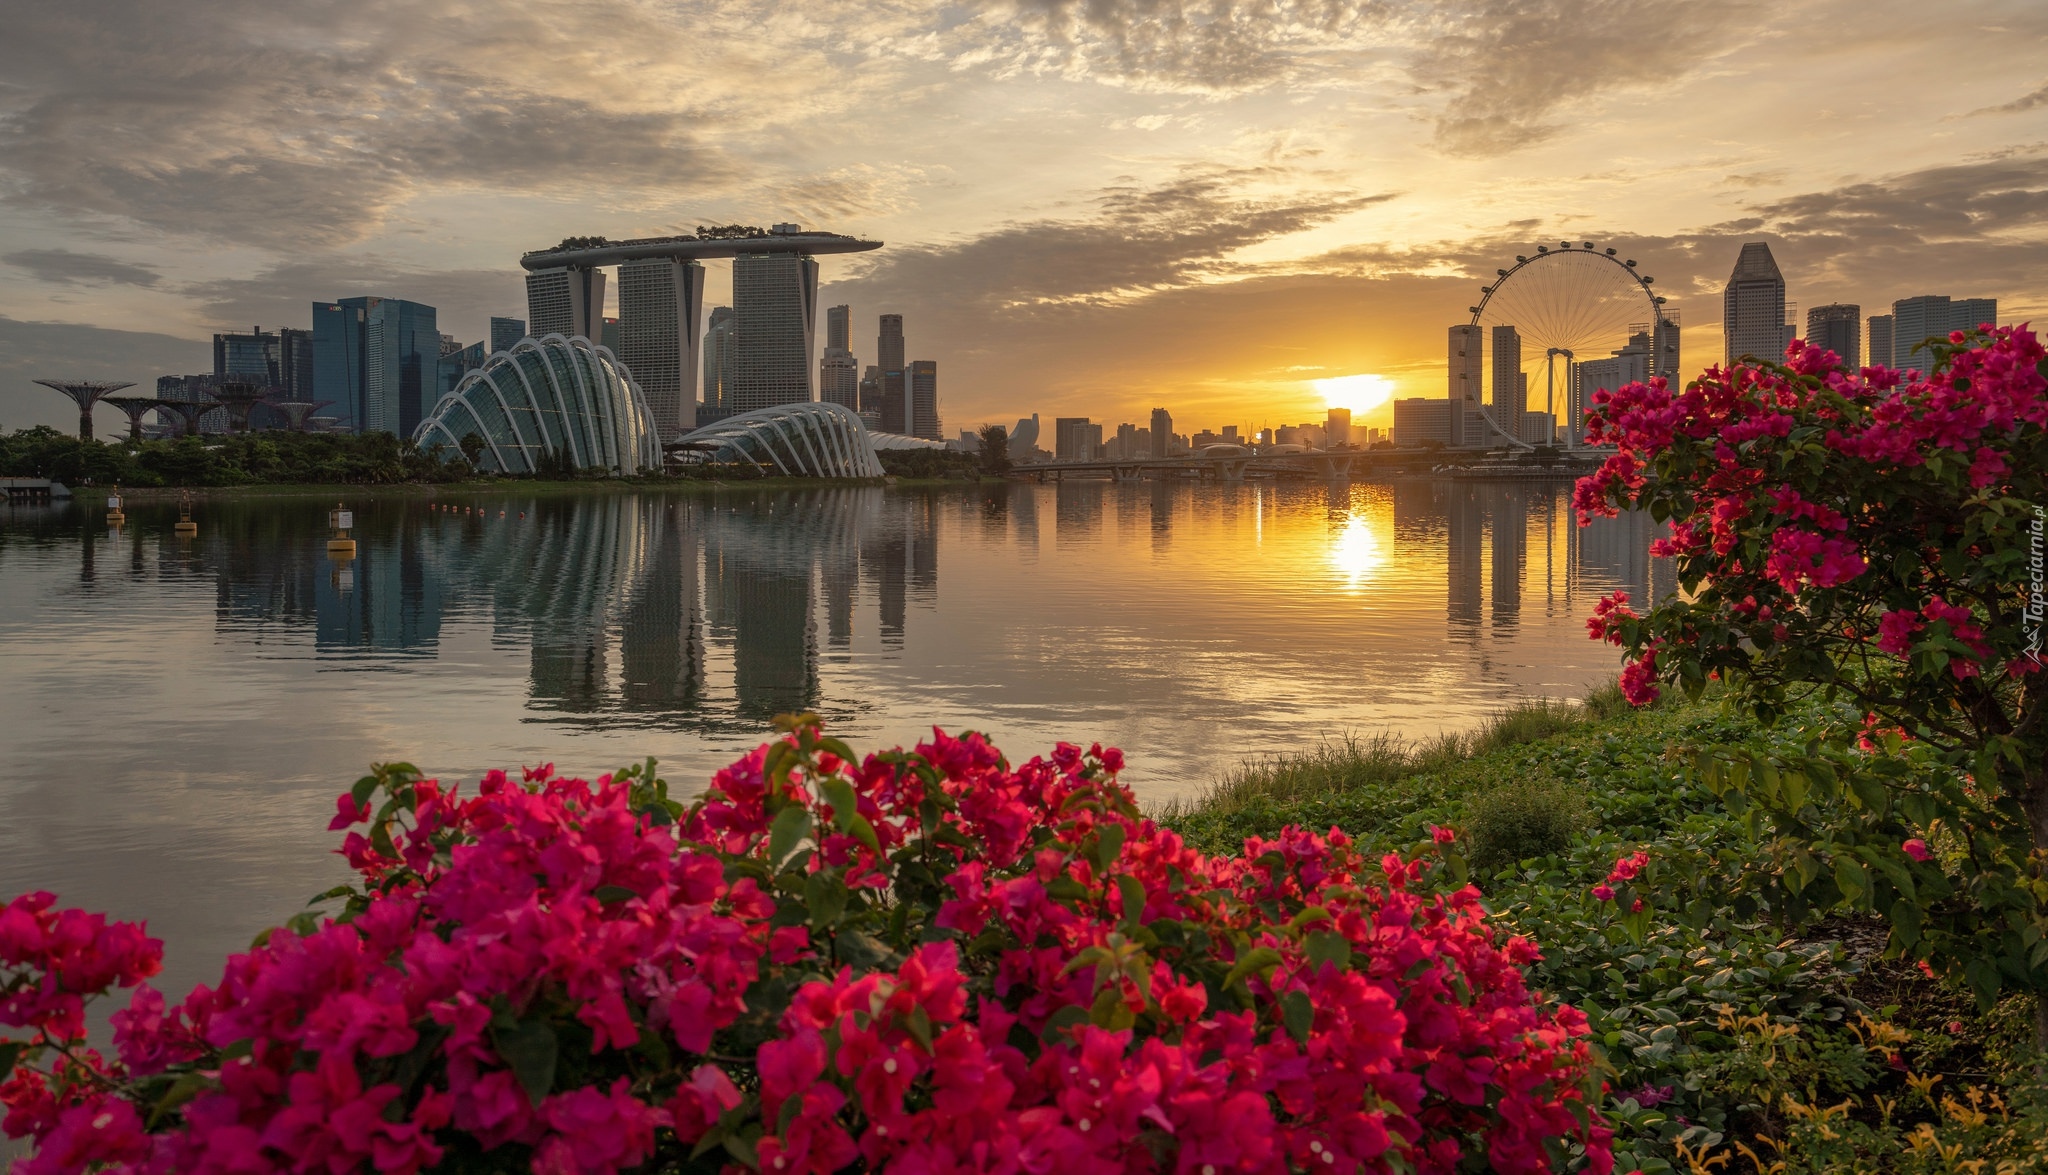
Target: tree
[472,447]
[995,450]
[1871,540]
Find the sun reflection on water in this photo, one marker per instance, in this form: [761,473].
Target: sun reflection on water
[1356,553]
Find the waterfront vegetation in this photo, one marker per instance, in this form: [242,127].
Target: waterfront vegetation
[279,458]
[1728,1022]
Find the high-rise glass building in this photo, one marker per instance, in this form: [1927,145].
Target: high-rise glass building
[660,309]
[505,332]
[839,327]
[401,365]
[924,400]
[566,300]
[838,379]
[1466,361]
[251,357]
[718,354]
[1930,316]
[1753,306]
[774,310]
[889,357]
[295,362]
[1510,394]
[1837,327]
[1880,340]
[456,364]
[1337,428]
[1162,433]
[338,358]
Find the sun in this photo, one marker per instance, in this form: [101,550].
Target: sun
[1360,393]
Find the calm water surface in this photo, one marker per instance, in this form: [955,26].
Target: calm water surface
[179,714]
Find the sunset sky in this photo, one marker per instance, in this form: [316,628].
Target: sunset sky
[1090,208]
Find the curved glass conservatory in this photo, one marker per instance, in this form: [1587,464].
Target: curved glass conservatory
[813,439]
[548,402]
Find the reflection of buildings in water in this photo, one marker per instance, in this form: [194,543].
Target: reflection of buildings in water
[1162,514]
[1615,553]
[1418,513]
[661,630]
[1464,555]
[1023,507]
[1077,512]
[1508,518]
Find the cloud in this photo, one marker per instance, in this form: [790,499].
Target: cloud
[65,267]
[1188,45]
[306,123]
[2025,102]
[1512,65]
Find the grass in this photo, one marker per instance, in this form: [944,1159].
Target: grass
[1353,762]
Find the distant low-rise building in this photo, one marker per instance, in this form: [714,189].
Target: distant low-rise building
[1420,420]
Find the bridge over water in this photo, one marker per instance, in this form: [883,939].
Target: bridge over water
[1335,466]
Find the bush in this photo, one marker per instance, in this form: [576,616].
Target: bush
[1519,819]
[926,961]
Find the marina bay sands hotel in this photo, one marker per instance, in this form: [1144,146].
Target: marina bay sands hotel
[661,311]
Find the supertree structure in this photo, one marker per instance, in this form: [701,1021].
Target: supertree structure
[86,392]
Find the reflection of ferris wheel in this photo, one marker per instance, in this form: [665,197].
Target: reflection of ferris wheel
[1540,321]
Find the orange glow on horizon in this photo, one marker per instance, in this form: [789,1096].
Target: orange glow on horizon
[1360,393]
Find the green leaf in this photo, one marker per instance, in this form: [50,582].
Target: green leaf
[864,833]
[1056,1025]
[612,893]
[1252,962]
[1329,947]
[792,825]
[1298,1014]
[1851,878]
[363,790]
[1133,892]
[529,1048]
[10,1052]
[184,1089]
[1109,845]
[825,896]
[845,805]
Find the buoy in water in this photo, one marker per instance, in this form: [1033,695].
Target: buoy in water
[185,527]
[340,521]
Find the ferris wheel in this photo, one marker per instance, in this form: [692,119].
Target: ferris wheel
[1539,320]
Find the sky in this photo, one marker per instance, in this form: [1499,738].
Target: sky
[1090,207]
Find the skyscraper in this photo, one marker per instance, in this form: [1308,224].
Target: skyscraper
[1162,433]
[889,357]
[1927,316]
[1510,394]
[1467,364]
[295,362]
[1665,359]
[505,332]
[338,358]
[251,357]
[871,395]
[1073,439]
[401,365]
[839,371]
[838,379]
[566,300]
[718,352]
[660,306]
[774,312]
[1880,340]
[1337,428]
[1837,327]
[924,400]
[1753,306]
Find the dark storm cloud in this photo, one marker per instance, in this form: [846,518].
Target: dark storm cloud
[64,267]
[304,122]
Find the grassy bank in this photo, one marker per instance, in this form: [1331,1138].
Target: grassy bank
[1726,1026]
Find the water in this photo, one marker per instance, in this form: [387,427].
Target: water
[178,714]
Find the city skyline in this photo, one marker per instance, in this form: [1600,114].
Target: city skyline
[1212,239]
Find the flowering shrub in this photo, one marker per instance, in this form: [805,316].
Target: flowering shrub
[1872,536]
[924,962]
